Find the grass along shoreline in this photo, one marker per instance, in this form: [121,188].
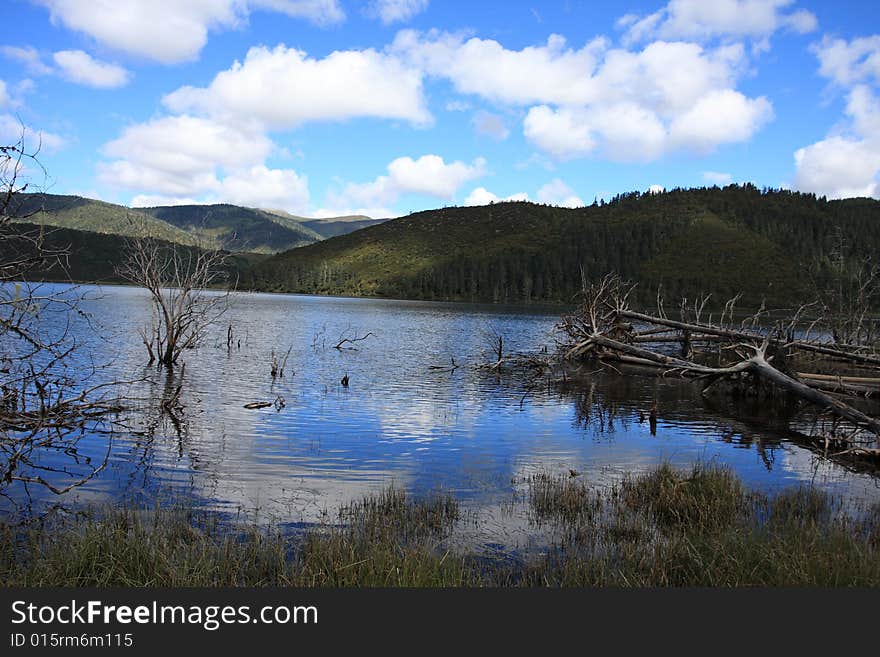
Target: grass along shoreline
[664,528]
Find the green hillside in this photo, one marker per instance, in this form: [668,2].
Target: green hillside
[332,226]
[237,228]
[736,239]
[78,213]
[224,226]
[94,257]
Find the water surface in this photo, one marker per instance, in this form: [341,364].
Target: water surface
[472,432]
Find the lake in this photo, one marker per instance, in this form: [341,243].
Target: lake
[472,432]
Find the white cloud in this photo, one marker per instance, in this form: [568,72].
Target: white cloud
[29,56]
[550,73]
[482,196]
[556,192]
[432,176]
[171,31]
[720,117]
[283,87]
[5,100]
[428,175]
[628,105]
[262,187]
[491,125]
[392,11]
[562,133]
[179,156]
[80,67]
[256,186]
[698,19]
[717,178]
[849,62]
[847,162]
[838,167]
[656,189]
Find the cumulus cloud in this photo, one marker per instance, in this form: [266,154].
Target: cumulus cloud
[849,62]
[628,105]
[847,162]
[698,19]
[185,158]
[482,196]
[284,87]
[556,192]
[80,67]
[491,125]
[724,116]
[259,186]
[838,167]
[74,65]
[429,175]
[392,11]
[550,73]
[170,31]
[656,189]
[563,133]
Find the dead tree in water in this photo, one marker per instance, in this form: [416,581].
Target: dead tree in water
[178,279]
[45,404]
[607,330]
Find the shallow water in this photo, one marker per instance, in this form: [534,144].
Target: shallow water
[474,433]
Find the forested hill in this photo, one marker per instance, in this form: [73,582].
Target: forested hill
[766,244]
[231,227]
[238,228]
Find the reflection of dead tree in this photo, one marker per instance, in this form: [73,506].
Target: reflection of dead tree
[44,408]
[178,279]
[605,329]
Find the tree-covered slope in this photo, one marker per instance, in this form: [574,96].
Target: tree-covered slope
[95,257]
[237,228]
[78,213]
[737,239]
[332,226]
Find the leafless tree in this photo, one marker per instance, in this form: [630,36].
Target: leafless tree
[45,404]
[179,280]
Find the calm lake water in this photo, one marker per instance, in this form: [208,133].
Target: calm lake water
[474,433]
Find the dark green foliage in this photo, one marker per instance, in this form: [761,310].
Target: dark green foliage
[77,213]
[95,257]
[236,228]
[725,241]
[230,227]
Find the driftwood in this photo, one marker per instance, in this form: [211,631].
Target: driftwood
[603,330]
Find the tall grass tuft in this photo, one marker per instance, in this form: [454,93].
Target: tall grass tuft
[701,527]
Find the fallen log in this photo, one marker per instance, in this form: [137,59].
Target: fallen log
[733,334]
[757,365]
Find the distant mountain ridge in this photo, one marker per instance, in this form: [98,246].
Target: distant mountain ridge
[232,227]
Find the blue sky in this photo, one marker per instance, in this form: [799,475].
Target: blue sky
[382,107]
